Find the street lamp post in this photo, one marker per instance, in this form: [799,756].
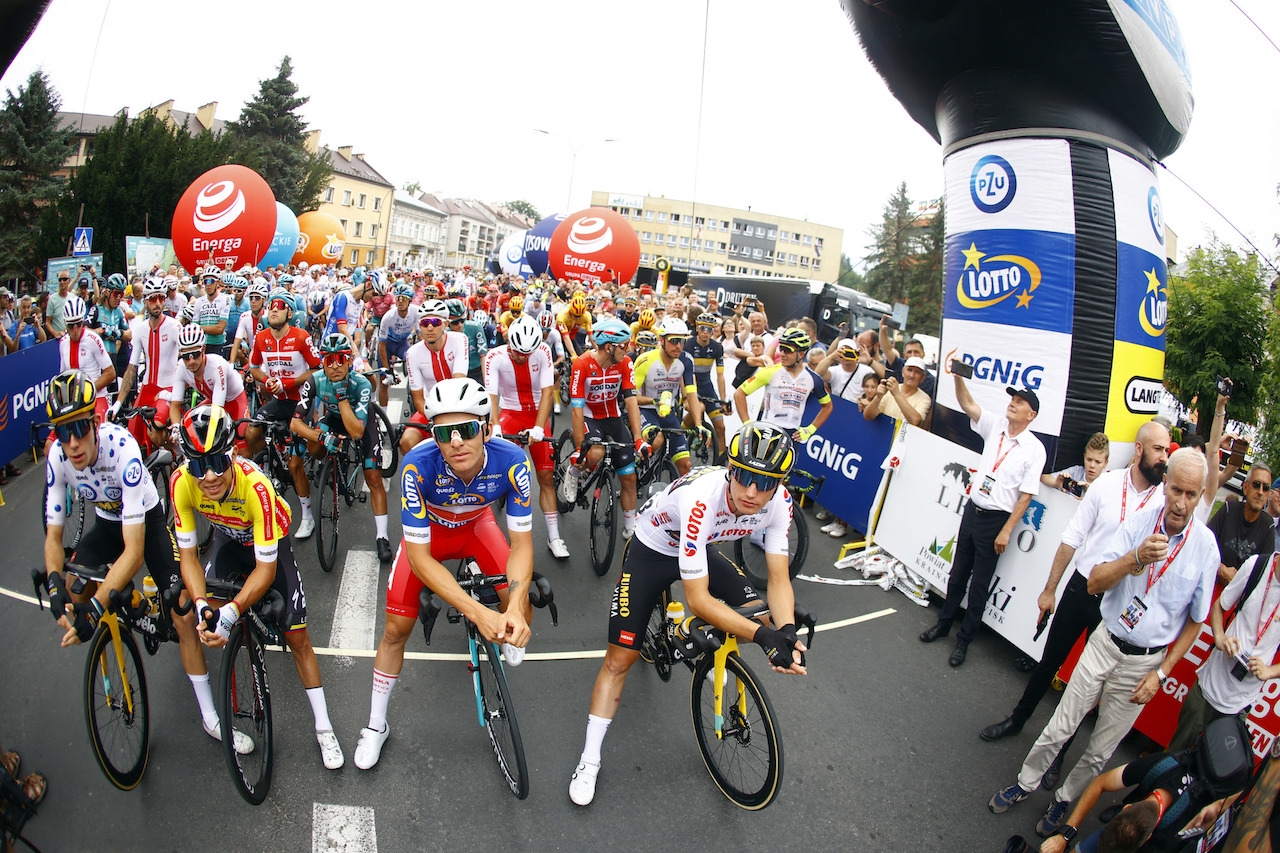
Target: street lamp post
[573,168]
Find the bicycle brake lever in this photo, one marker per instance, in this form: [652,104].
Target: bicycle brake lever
[555,615]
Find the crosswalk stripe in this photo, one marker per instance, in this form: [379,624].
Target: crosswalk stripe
[342,829]
[355,613]
[395,411]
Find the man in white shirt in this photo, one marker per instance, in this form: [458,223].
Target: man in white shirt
[842,371]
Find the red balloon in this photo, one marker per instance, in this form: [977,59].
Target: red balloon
[227,214]
[595,244]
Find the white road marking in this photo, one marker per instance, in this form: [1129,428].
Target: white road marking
[355,614]
[342,829]
[395,410]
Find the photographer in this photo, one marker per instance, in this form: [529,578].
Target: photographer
[1241,527]
[906,401]
[895,362]
[27,330]
[843,372]
[1076,479]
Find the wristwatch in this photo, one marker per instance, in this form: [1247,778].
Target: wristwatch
[1068,832]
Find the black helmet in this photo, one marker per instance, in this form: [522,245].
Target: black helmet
[762,448]
[70,394]
[206,431]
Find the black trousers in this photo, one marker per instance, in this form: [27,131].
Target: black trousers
[1077,613]
[974,564]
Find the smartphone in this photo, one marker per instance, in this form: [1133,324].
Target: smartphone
[1238,449]
[959,368]
[1040,626]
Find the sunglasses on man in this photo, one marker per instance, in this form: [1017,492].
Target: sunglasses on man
[73,429]
[1258,484]
[218,463]
[747,479]
[336,358]
[465,430]
[431,322]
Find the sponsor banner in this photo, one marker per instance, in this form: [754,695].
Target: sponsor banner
[920,520]
[1139,212]
[1015,184]
[144,254]
[24,388]
[848,451]
[619,200]
[1002,356]
[1136,389]
[1142,297]
[72,265]
[1012,277]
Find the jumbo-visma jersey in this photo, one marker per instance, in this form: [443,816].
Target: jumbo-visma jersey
[431,494]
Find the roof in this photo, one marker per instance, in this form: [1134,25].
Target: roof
[90,123]
[193,127]
[356,167]
[403,198]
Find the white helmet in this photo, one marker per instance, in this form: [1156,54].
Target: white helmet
[379,282]
[450,396]
[154,286]
[434,308]
[480,316]
[672,327]
[73,310]
[316,300]
[189,312]
[525,335]
[257,289]
[190,336]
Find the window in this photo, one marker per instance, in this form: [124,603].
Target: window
[730,268]
[373,231]
[371,256]
[720,247]
[343,223]
[361,200]
[795,236]
[817,264]
[355,256]
[684,242]
[806,239]
[804,262]
[791,260]
[757,253]
[700,221]
[724,225]
[328,195]
[644,236]
[662,216]
[784,236]
[737,229]
[626,211]
[773,233]
[346,198]
[359,227]
[648,216]
[697,244]
[377,203]
[644,257]
[635,214]
[675,219]
[748,231]
[671,239]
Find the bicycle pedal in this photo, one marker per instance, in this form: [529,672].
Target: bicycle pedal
[364,497]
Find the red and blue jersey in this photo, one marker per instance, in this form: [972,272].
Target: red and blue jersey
[432,495]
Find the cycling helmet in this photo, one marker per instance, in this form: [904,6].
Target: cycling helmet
[378,282]
[228,278]
[630,300]
[335,343]
[648,318]
[256,289]
[170,282]
[73,310]
[188,312]
[611,331]
[434,308]
[71,393]
[762,448]
[672,327]
[206,431]
[516,305]
[457,310]
[116,282]
[797,338]
[577,304]
[282,295]
[316,300]
[591,299]
[190,336]
[450,396]
[154,286]
[547,320]
[646,340]
[402,290]
[706,318]
[525,335]
[480,316]
[284,280]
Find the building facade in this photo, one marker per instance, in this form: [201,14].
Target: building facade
[361,199]
[475,229]
[418,232]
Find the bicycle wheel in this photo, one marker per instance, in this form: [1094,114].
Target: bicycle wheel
[160,476]
[564,449]
[245,706]
[655,649]
[745,760]
[500,722]
[750,556]
[73,526]
[389,456]
[663,475]
[604,524]
[327,515]
[115,707]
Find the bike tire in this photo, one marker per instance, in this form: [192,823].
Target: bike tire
[564,449]
[718,453]
[327,512]
[390,455]
[660,478]
[655,649]
[73,526]
[245,705]
[750,557]
[746,762]
[500,722]
[121,738]
[604,525]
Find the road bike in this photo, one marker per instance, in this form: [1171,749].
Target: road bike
[733,719]
[340,479]
[494,708]
[748,552]
[273,459]
[704,444]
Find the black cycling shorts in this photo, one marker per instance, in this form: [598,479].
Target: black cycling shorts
[370,441]
[646,573]
[230,560]
[614,429]
[104,543]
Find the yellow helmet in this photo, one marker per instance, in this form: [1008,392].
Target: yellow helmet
[70,394]
[647,318]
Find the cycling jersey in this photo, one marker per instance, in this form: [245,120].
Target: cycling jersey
[785,395]
[234,311]
[636,329]
[88,355]
[250,513]
[507,318]
[653,377]
[705,357]
[157,349]
[344,309]
[298,319]
[319,394]
[691,513]
[477,344]
[518,387]
[432,495]
[396,328]
[287,359]
[598,389]
[426,366]
[250,325]
[112,322]
[218,383]
[116,482]
[571,325]
[211,312]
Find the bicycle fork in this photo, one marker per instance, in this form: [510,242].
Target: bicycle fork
[719,679]
[474,669]
[113,626]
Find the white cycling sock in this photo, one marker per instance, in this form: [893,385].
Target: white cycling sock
[380,522]
[628,519]
[553,524]
[383,684]
[315,695]
[306,507]
[204,695]
[596,729]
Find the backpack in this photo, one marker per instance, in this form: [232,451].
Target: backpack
[1255,577]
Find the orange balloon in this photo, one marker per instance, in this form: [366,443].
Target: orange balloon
[321,239]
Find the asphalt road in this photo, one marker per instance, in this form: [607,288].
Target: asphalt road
[881,743]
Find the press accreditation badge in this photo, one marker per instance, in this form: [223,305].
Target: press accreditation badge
[1133,614]
[988,483]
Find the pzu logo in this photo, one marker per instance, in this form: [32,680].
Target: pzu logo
[1155,214]
[992,184]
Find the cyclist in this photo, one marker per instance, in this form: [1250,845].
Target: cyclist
[290,285]
[644,342]
[788,385]
[630,310]
[706,354]
[448,490]
[515,310]
[251,541]
[282,360]
[520,379]
[344,402]
[440,355]
[648,318]
[212,377]
[477,343]
[236,306]
[155,347]
[574,324]
[213,312]
[109,321]
[662,377]
[397,327]
[344,308]
[317,308]
[600,386]
[675,532]
[81,349]
[131,528]
[251,322]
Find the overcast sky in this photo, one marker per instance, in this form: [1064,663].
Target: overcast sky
[794,120]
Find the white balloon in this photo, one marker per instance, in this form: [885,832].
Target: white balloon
[511,256]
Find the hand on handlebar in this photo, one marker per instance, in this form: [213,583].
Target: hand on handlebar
[535,434]
[643,448]
[113,410]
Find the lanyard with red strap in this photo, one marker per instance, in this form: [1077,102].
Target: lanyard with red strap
[1154,577]
[999,447]
[1124,495]
[1265,624]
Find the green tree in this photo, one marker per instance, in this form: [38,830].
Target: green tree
[412,188]
[849,277]
[905,260]
[925,283]
[269,137]
[525,209]
[1218,326]
[32,148]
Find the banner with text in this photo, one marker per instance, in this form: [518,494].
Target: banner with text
[847,451]
[24,386]
[144,254]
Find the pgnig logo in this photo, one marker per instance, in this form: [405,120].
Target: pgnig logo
[992,184]
[1154,311]
[987,280]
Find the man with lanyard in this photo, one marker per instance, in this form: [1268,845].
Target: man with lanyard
[1156,575]
[81,349]
[519,379]
[673,543]
[130,528]
[213,313]
[343,401]
[602,383]
[251,322]
[175,299]
[574,324]
[663,377]
[212,377]
[788,384]
[397,327]
[154,345]
[477,344]
[707,354]
[449,487]
[1113,496]
[108,320]
[282,361]
[440,355]
[251,541]
[1241,527]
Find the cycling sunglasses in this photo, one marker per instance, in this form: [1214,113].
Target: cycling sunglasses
[218,463]
[747,479]
[465,430]
[191,354]
[433,322]
[155,297]
[78,428]
[333,358]
[276,304]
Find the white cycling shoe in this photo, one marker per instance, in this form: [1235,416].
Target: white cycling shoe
[243,743]
[305,528]
[330,749]
[582,787]
[558,549]
[513,655]
[369,750]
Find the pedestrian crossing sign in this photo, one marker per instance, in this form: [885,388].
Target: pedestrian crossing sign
[83,244]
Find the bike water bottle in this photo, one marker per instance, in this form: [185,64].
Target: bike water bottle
[675,614]
[152,593]
[664,404]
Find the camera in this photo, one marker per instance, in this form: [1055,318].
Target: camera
[1224,386]
[1241,667]
[1073,487]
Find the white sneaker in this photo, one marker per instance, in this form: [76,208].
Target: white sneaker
[369,749]
[556,407]
[839,530]
[582,787]
[826,528]
[558,549]
[569,485]
[305,528]
[243,743]
[823,515]
[513,655]
[330,749]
